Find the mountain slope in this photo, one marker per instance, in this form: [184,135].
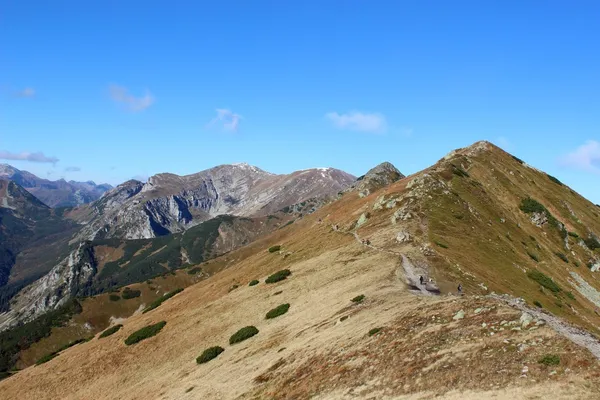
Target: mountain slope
[169,203]
[54,193]
[451,222]
[29,230]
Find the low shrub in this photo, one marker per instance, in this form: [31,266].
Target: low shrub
[253,282]
[458,171]
[275,248]
[538,304]
[130,293]
[562,257]
[534,257]
[278,276]
[555,180]
[517,159]
[278,293]
[374,331]
[592,243]
[544,280]
[277,311]
[46,358]
[245,333]
[161,299]
[145,333]
[194,271]
[209,354]
[529,205]
[442,245]
[110,331]
[570,295]
[573,234]
[114,297]
[358,299]
[550,360]
[231,289]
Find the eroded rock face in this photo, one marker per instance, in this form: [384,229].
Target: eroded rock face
[403,237]
[52,290]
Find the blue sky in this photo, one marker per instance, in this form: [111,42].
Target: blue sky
[119,89]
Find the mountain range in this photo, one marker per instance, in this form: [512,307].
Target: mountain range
[322,286]
[58,193]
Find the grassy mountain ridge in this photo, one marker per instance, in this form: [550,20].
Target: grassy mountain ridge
[464,220]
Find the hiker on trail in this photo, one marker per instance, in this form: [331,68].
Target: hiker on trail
[459,288]
[368,242]
[421,279]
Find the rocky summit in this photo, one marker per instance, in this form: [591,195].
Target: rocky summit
[474,278]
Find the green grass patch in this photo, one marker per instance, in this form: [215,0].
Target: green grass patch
[529,206]
[374,331]
[110,331]
[550,360]
[592,243]
[277,311]
[114,297]
[161,300]
[145,333]
[278,276]
[245,333]
[573,234]
[358,299]
[130,293]
[537,304]
[275,248]
[194,271]
[46,358]
[253,282]
[570,295]
[209,354]
[555,180]
[544,280]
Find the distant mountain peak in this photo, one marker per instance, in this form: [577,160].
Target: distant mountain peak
[377,177]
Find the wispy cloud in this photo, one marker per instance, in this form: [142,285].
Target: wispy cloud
[72,169]
[586,157]
[26,156]
[121,95]
[358,121]
[227,119]
[27,92]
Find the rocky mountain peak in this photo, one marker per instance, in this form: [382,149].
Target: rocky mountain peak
[377,177]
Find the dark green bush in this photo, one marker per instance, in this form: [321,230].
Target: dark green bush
[538,304]
[278,276]
[544,280]
[114,297]
[161,299]
[458,171]
[232,288]
[573,234]
[358,299]
[209,354]
[4,374]
[110,331]
[592,243]
[275,248]
[253,282]
[130,293]
[533,256]
[553,179]
[277,311]
[562,257]
[374,331]
[281,291]
[145,333]
[195,271]
[46,358]
[517,159]
[530,205]
[550,360]
[570,295]
[245,333]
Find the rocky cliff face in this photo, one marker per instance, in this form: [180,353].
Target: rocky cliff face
[380,176]
[169,203]
[58,193]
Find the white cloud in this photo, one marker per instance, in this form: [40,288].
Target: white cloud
[27,92]
[26,156]
[586,157]
[72,169]
[358,121]
[121,95]
[230,121]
